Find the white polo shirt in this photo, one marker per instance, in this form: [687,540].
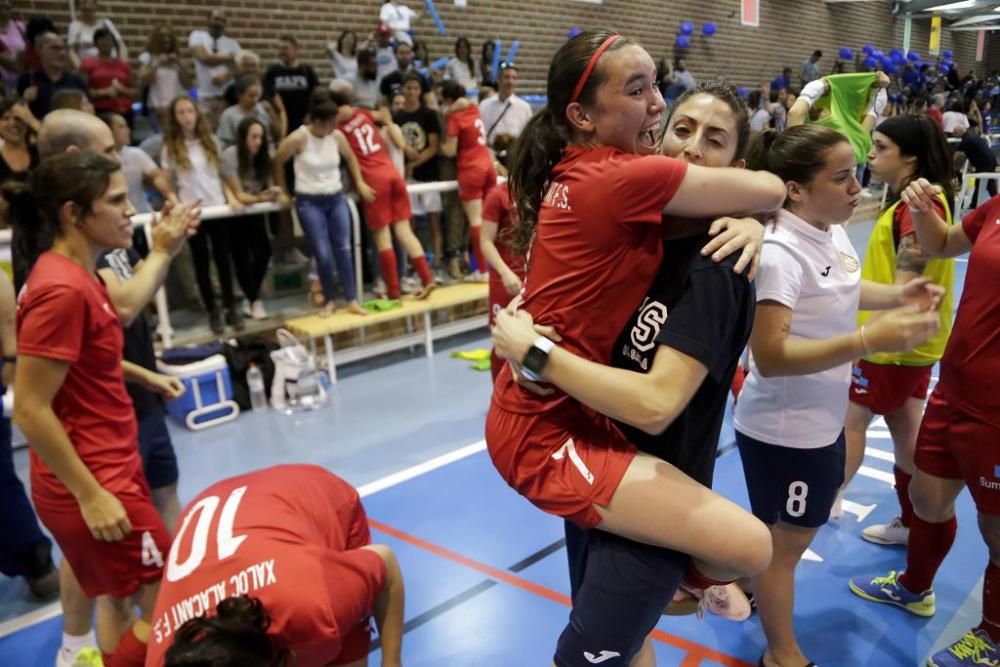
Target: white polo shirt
[818,275]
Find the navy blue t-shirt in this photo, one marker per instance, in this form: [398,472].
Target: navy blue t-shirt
[704,310]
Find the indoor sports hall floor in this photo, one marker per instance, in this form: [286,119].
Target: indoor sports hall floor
[485,571]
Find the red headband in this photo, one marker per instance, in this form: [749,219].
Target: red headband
[591,65]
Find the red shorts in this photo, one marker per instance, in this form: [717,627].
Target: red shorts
[885,388]
[953,444]
[475,180]
[117,569]
[564,461]
[392,201]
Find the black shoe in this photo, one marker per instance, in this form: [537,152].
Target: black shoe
[215,322]
[234,318]
[46,586]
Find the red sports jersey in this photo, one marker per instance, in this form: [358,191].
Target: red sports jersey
[290,535]
[971,362]
[596,250]
[366,141]
[496,208]
[64,313]
[467,125]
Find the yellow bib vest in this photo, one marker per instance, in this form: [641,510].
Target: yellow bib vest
[880,267]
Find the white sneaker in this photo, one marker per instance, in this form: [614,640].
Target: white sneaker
[477,277]
[257,310]
[729,602]
[837,511]
[409,285]
[85,657]
[379,289]
[892,533]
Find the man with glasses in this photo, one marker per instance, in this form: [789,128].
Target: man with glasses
[214,58]
[505,112]
[37,87]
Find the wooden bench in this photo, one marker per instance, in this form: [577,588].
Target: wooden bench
[453,298]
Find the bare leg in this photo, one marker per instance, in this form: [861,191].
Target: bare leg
[645,657]
[775,590]
[167,504]
[904,424]
[656,503]
[855,429]
[114,617]
[409,240]
[78,609]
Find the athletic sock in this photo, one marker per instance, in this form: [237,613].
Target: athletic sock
[422,269]
[928,545]
[903,495]
[73,644]
[694,579]
[991,603]
[387,259]
[131,651]
[477,250]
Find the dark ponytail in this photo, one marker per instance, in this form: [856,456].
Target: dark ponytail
[541,143]
[34,206]
[235,637]
[922,138]
[796,154]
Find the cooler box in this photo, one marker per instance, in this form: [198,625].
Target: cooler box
[207,399]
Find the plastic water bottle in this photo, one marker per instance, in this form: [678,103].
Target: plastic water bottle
[255,382]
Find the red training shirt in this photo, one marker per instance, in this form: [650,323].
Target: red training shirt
[289,535]
[100,74]
[64,313]
[365,139]
[496,208]
[971,362]
[597,247]
[467,125]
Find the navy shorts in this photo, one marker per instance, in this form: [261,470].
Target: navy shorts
[158,459]
[620,590]
[795,486]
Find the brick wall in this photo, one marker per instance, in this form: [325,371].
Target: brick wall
[789,29]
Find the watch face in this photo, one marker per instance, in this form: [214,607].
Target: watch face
[535,360]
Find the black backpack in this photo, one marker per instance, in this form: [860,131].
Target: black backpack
[239,355]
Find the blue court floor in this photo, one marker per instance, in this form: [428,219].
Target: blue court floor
[485,571]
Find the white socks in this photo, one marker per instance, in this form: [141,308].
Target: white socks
[73,644]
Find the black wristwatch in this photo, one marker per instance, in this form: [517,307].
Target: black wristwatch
[534,361]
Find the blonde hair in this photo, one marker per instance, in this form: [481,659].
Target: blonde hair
[173,137]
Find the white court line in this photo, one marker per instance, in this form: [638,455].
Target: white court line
[880,454]
[880,475]
[52,610]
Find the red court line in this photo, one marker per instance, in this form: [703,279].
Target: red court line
[696,652]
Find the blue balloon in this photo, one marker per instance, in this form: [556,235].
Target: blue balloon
[890,69]
[868,49]
[709,29]
[897,57]
[870,62]
[877,53]
[846,53]
[573,32]
[948,54]
[945,67]
[741,91]
[683,42]
[687,27]
[913,56]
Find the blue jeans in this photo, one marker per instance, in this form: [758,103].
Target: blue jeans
[326,220]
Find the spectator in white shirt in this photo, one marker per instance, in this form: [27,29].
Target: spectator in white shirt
[505,112]
[398,16]
[214,56]
[955,118]
[81,32]
[344,56]
[140,170]
[461,67]
[163,72]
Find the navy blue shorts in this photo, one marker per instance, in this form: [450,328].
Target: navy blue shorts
[620,590]
[158,459]
[795,486]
